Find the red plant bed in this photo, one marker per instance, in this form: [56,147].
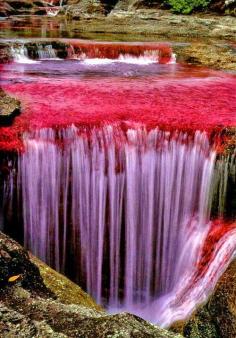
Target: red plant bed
[168,102]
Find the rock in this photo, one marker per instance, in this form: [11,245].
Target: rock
[14,261]
[217,56]
[5,54]
[127,5]
[9,108]
[35,306]
[217,318]
[5,9]
[85,9]
[65,290]
[227,6]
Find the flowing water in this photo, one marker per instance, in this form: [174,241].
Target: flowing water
[119,168]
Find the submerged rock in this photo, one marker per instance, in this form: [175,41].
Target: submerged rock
[50,305]
[9,108]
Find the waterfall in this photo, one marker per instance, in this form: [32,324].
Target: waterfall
[128,210]
[20,54]
[46,52]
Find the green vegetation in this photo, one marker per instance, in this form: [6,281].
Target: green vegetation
[187,6]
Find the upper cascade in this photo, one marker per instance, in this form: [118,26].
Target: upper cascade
[160,53]
[142,53]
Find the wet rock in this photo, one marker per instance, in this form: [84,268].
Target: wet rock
[217,318]
[9,108]
[50,305]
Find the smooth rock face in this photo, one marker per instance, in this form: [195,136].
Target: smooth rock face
[216,319]
[9,108]
[30,309]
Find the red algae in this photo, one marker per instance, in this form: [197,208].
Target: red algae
[170,98]
[218,230]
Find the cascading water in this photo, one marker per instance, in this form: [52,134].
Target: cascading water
[133,213]
[46,52]
[93,53]
[134,206]
[20,54]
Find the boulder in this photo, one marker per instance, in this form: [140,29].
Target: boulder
[9,108]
